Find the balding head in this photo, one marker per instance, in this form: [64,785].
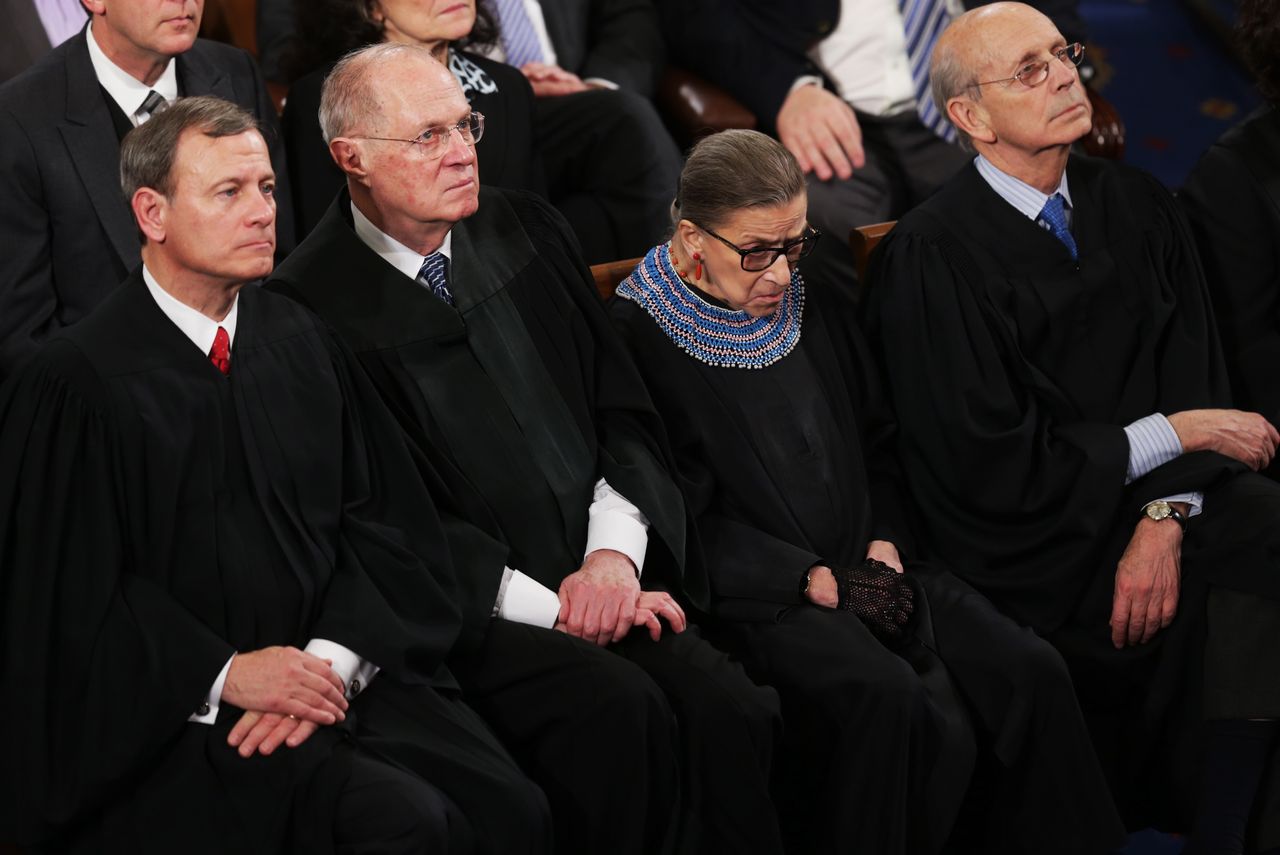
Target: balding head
[355,94]
[975,82]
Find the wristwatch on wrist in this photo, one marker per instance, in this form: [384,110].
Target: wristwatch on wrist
[1162,510]
[804,583]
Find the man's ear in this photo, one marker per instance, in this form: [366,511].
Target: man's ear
[971,117]
[95,7]
[349,157]
[150,209]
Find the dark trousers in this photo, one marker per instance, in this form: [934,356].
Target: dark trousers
[611,170]
[441,740]
[641,747]
[1039,788]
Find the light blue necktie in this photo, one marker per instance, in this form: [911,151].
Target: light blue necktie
[923,21]
[434,273]
[1055,215]
[519,39]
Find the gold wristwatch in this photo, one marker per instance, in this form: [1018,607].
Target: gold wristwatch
[1162,510]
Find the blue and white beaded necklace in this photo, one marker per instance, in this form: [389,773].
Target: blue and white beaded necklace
[719,336]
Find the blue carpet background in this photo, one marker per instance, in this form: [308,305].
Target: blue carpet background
[1170,76]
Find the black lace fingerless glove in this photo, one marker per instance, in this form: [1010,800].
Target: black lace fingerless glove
[882,598]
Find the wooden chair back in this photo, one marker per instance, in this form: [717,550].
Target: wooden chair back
[862,241]
[609,274]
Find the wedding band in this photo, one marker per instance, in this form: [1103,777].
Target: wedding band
[294,717]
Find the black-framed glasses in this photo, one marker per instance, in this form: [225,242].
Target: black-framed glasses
[433,142]
[763,257]
[1033,74]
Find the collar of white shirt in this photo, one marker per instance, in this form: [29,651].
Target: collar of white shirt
[125,89]
[390,250]
[201,329]
[1021,195]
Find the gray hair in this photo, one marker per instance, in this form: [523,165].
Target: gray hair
[732,171]
[948,77]
[147,153]
[350,94]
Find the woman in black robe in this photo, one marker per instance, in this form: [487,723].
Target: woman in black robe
[783,445]
[328,29]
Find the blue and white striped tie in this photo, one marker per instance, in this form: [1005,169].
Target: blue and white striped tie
[923,21]
[434,273]
[519,39]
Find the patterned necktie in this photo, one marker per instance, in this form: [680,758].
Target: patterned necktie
[434,273]
[1055,215]
[220,353]
[519,39]
[923,21]
[153,102]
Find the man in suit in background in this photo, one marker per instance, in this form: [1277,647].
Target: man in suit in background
[843,84]
[36,26]
[67,231]
[611,164]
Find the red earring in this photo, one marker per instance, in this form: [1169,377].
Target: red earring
[697,270]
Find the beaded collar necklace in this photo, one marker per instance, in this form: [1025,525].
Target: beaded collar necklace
[725,338]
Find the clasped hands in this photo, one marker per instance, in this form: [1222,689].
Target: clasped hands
[1149,575]
[601,602]
[287,694]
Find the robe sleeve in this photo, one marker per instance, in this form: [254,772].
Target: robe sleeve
[100,667]
[391,597]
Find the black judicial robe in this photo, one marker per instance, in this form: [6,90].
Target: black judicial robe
[155,517]
[1013,370]
[792,465]
[1232,200]
[522,396]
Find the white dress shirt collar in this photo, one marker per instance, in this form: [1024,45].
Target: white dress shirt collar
[125,89]
[407,261]
[201,329]
[1026,199]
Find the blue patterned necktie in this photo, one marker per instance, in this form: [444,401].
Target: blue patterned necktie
[923,21]
[434,273]
[1055,215]
[519,39]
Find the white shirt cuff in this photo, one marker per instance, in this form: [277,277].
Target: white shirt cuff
[1194,500]
[805,80]
[207,712]
[615,523]
[600,81]
[522,599]
[1152,442]
[355,672]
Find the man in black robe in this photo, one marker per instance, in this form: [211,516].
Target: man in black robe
[1036,318]
[478,322]
[199,484]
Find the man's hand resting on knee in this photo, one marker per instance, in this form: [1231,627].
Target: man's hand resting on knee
[287,694]
[821,131]
[602,601]
[1148,581]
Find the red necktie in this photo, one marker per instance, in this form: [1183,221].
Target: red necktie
[220,354]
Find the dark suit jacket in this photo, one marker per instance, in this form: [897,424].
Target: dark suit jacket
[26,42]
[616,40]
[68,234]
[755,49]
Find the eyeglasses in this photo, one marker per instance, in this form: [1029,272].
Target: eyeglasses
[763,257]
[1034,73]
[433,142]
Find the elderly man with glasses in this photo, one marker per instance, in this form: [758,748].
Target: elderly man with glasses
[479,323]
[1066,431]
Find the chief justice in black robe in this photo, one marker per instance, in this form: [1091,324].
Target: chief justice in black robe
[505,372]
[1035,319]
[164,509]
[784,450]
